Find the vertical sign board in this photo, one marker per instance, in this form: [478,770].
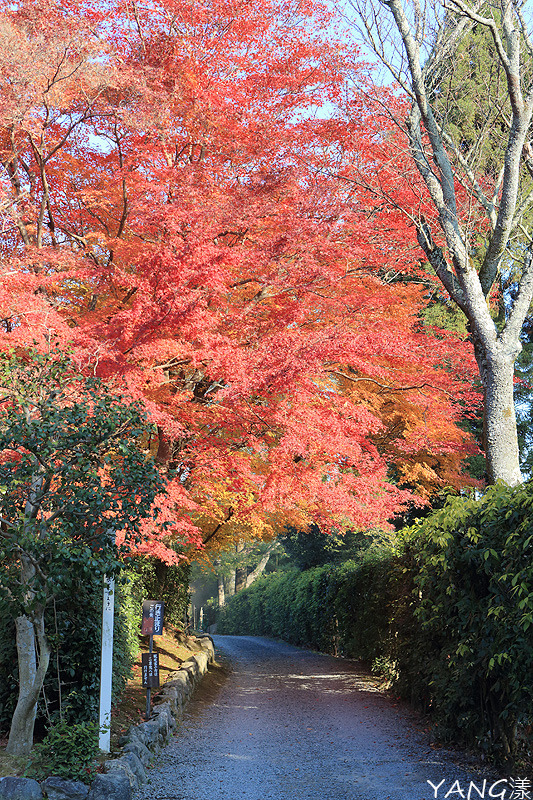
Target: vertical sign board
[153,612]
[150,670]
[152,625]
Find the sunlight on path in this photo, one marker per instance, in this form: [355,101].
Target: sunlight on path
[289,724]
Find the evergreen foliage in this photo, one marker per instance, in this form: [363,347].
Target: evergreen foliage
[76,490]
[313,548]
[150,578]
[71,690]
[473,570]
[69,751]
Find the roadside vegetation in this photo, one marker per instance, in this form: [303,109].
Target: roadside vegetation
[68,707]
[443,610]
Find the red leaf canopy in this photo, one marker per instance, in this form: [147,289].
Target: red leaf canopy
[174,207]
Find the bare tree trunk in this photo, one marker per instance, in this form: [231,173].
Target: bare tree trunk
[230,584]
[261,566]
[499,421]
[221,592]
[240,571]
[33,658]
[33,651]
[240,579]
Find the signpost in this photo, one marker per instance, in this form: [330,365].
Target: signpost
[150,668]
[152,625]
[106,668]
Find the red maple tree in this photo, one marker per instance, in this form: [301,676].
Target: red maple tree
[170,208]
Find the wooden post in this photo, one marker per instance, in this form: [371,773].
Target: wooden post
[106,667]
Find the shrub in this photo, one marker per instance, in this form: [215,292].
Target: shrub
[74,621]
[77,649]
[474,574]
[152,579]
[69,751]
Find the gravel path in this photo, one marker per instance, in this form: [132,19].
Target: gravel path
[289,724]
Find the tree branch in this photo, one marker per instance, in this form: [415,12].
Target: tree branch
[389,389]
[219,526]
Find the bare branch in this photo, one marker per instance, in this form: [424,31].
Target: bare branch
[513,326]
[219,526]
[388,389]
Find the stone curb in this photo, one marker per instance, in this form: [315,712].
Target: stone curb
[140,743]
[143,741]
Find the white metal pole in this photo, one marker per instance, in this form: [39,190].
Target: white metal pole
[106,671]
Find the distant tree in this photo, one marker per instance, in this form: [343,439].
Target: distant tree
[313,548]
[238,566]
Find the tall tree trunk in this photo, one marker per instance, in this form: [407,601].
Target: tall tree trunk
[261,566]
[33,658]
[240,579]
[161,572]
[221,592]
[499,422]
[33,651]
[230,584]
[240,570]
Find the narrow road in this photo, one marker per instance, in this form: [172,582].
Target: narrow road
[289,724]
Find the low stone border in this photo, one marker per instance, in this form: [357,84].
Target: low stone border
[139,744]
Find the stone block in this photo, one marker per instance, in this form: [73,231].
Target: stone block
[19,789]
[202,662]
[111,786]
[56,788]
[191,667]
[140,750]
[130,765]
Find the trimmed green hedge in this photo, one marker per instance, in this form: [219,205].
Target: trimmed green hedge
[346,609]
[472,565]
[446,614]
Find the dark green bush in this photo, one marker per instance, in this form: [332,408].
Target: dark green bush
[69,750]
[368,596]
[473,569]
[152,579]
[312,548]
[77,647]
[8,666]
[74,621]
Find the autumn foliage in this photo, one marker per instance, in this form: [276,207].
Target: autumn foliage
[177,211]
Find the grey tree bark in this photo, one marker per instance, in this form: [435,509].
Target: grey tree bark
[221,591]
[230,582]
[423,44]
[33,651]
[33,659]
[33,654]
[260,568]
